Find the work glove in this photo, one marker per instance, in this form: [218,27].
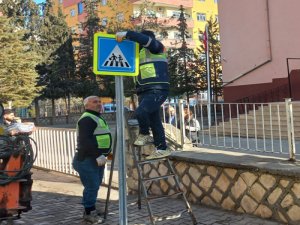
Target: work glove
[120,36]
[101,160]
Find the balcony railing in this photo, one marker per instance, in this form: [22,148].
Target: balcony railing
[173,3]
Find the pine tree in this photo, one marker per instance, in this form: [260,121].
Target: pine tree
[181,63]
[57,67]
[214,59]
[17,65]
[86,83]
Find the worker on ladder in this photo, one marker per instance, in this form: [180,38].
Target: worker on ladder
[152,86]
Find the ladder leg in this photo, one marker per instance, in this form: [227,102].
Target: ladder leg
[110,175]
[141,185]
[177,182]
[139,182]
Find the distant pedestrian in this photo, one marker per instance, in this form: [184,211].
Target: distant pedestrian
[93,145]
[192,125]
[170,116]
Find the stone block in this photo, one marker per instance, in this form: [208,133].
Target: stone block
[162,169]
[155,189]
[186,180]
[257,192]
[296,189]
[216,195]
[196,190]
[205,183]
[164,186]
[282,217]
[223,183]
[146,169]
[263,211]
[284,183]
[208,201]
[181,168]
[135,174]
[153,173]
[267,180]
[230,172]
[171,181]
[273,197]
[249,178]
[212,171]
[239,188]
[294,213]
[248,204]
[287,201]
[228,203]
[195,173]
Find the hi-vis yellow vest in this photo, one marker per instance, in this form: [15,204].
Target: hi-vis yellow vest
[148,73]
[102,133]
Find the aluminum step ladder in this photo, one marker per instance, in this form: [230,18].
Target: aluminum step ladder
[145,182]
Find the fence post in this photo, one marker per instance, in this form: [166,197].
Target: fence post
[290,127]
[181,123]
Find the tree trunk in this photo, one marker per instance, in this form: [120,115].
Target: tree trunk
[37,111]
[53,111]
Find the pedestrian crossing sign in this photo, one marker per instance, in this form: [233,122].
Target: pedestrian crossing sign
[115,58]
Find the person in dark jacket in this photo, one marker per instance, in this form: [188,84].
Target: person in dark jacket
[93,145]
[152,86]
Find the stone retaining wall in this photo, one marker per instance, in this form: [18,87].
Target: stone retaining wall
[232,186]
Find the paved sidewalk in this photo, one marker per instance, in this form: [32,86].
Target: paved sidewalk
[56,200]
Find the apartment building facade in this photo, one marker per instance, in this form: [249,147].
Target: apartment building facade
[167,12]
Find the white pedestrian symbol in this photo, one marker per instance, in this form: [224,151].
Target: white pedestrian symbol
[116,59]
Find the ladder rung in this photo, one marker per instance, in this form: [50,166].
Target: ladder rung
[164,196]
[178,215]
[152,160]
[158,178]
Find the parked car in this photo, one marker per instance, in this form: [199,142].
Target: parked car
[110,107]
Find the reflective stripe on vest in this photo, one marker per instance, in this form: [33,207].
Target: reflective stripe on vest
[102,132]
[147,57]
[147,67]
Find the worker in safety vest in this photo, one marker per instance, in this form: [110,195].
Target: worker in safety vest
[93,145]
[152,86]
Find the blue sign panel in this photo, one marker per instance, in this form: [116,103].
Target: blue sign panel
[115,58]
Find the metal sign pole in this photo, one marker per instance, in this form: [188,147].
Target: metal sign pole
[121,150]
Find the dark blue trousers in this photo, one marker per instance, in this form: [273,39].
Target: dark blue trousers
[148,115]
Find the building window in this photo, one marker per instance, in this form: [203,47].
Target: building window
[216,1]
[60,1]
[104,22]
[201,17]
[201,0]
[72,12]
[103,2]
[80,8]
[120,17]
[217,18]
[175,14]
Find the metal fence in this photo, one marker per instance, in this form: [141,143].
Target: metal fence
[55,149]
[256,127]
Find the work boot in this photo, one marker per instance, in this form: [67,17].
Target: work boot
[159,154]
[143,140]
[93,218]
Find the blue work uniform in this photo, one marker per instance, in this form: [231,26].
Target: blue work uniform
[152,86]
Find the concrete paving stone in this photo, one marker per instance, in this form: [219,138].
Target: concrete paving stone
[55,204]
